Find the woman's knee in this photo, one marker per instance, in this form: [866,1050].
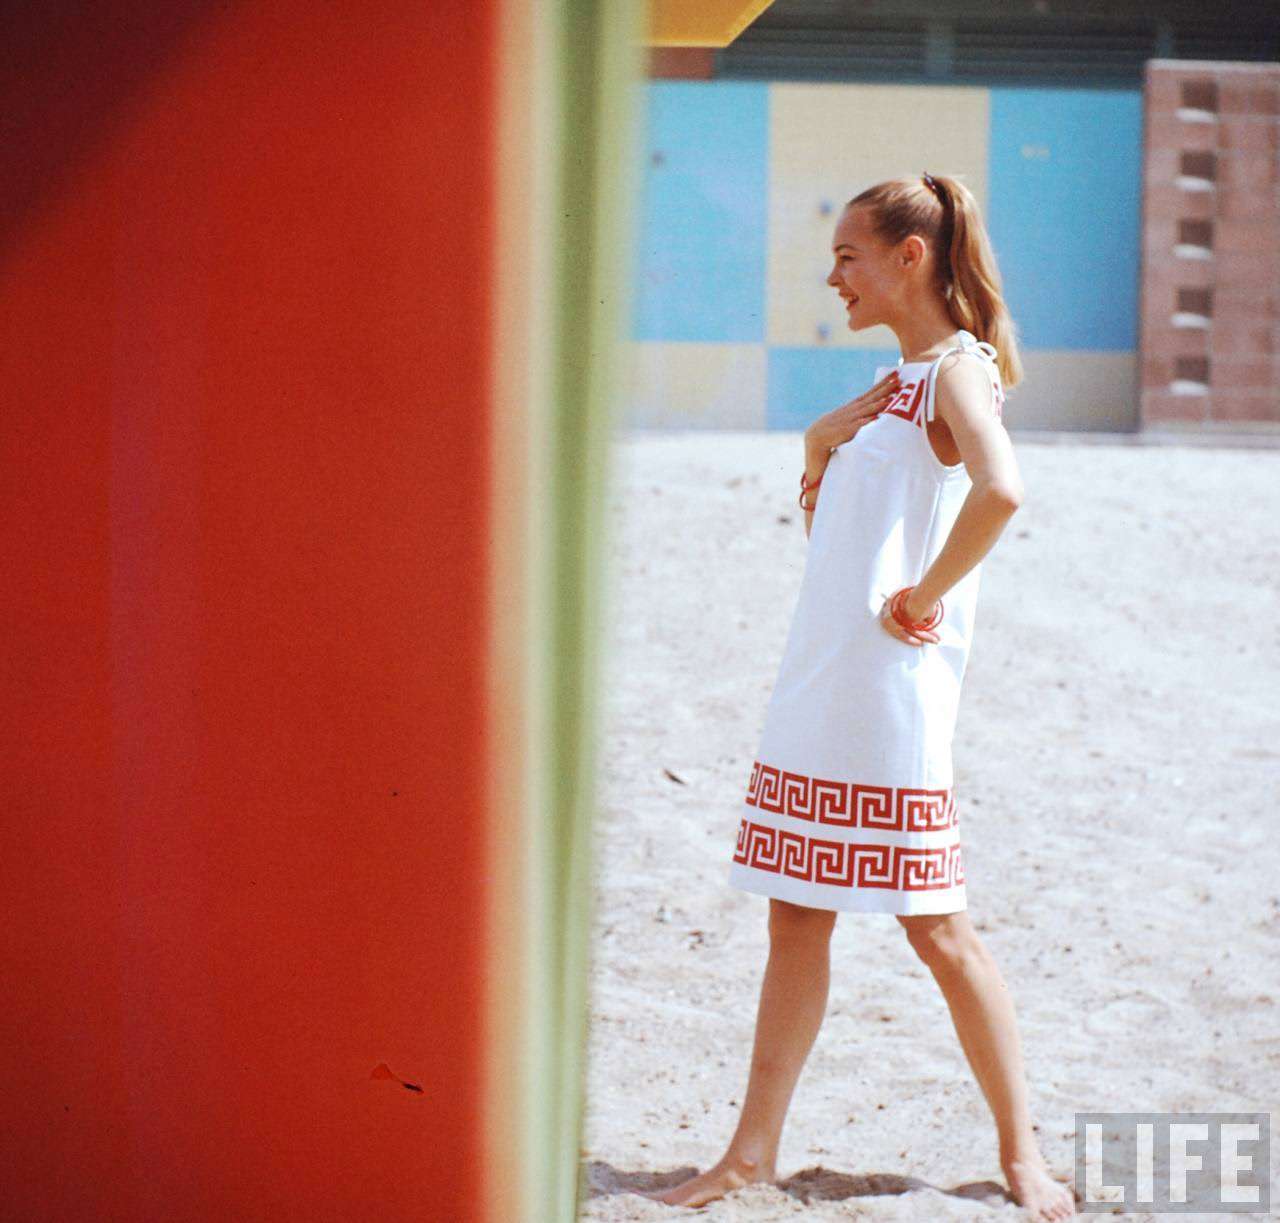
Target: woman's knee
[943,940]
[788,920]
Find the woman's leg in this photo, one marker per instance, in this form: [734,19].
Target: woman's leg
[793,999]
[983,1013]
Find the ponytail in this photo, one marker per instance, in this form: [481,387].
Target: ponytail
[943,211]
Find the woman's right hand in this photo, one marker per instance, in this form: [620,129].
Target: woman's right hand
[840,424]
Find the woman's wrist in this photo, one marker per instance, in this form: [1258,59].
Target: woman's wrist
[815,449]
[918,606]
[816,459]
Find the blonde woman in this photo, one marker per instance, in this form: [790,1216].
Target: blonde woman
[850,805]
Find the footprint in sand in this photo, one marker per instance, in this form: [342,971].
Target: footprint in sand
[1132,1012]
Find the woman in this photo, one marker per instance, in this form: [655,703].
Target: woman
[850,805]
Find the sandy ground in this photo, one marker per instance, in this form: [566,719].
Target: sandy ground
[1117,765]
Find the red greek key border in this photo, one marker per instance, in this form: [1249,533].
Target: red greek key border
[845,864]
[851,804]
[908,403]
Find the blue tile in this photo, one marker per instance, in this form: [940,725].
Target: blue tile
[701,226]
[1064,213]
[805,383]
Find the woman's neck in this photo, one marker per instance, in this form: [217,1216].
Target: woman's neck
[935,350]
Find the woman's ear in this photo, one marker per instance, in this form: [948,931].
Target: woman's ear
[913,249]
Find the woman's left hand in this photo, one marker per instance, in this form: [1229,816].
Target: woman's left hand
[910,636]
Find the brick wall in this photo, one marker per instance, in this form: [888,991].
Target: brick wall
[1209,331]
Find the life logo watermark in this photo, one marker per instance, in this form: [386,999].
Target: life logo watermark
[1174,1163]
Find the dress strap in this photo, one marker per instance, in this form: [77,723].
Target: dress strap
[968,343]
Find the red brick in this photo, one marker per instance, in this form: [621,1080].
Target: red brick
[1246,206]
[1166,272]
[1254,372]
[1155,300]
[1237,341]
[1152,372]
[1164,201]
[1161,233]
[1253,270]
[1259,405]
[1248,135]
[1162,88]
[1158,407]
[1164,131]
[1232,306]
[1165,343]
[1249,91]
[1162,164]
[1255,176]
[1256,236]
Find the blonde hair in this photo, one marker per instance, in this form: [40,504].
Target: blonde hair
[950,221]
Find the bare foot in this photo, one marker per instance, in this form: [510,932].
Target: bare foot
[729,1174]
[1034,1188]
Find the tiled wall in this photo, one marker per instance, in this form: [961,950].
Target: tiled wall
[1211,245]
[733,323]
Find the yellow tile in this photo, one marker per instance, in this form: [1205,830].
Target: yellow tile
[828,142]
[694,386]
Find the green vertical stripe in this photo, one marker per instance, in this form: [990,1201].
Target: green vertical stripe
[599,56]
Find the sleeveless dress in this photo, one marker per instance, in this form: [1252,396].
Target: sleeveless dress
[850,804]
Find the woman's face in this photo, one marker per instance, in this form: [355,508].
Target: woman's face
[869,278]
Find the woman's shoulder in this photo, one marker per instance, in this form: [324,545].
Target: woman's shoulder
[970,376]
[969,358]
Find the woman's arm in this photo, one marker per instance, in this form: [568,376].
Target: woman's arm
[816,457]
[963,399]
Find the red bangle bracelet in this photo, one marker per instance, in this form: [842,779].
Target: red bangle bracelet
[897,612]
[900,616]
[806,487]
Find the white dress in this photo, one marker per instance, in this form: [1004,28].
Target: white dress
[850,803]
